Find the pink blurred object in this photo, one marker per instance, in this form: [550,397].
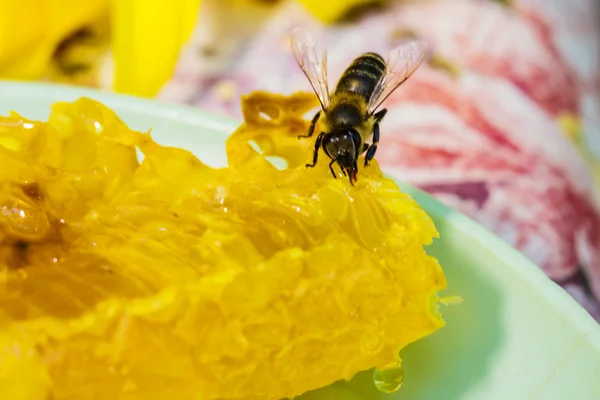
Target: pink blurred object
[572,27]
[481,145]
[496,42]
[485,139]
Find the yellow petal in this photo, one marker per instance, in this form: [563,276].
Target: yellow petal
[147,36]
[332,10]
[30,30]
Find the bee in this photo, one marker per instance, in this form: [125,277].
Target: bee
[350,113]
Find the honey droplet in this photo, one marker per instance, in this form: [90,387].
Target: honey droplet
[390,378]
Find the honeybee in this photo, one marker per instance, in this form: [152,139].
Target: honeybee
[350,113]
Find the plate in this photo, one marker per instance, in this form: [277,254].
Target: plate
[517,335]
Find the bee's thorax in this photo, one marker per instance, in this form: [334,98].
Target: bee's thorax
[345,115]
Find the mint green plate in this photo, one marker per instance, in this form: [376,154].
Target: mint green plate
[517,335]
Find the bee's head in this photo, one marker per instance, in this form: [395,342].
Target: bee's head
[343,146]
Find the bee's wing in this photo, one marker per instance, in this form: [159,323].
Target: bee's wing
[304,47]
[400,65]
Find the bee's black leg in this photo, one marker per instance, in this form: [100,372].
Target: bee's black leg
[331,168]
[373,148]
[316,153]
[379,115]
[313,123]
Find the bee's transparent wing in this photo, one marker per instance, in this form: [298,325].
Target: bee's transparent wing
[400,65]
[304,47]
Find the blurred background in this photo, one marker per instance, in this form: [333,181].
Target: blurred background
[502,122]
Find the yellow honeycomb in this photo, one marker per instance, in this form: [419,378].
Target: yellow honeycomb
[169,279]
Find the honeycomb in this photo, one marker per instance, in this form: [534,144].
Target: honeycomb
[167,278]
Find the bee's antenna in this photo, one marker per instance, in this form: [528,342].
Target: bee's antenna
[331,167]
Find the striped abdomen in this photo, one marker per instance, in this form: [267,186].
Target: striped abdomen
[362,75]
